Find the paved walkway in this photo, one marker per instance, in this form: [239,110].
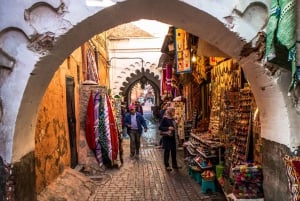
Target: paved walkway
[146,179]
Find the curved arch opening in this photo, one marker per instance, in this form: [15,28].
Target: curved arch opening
[279,120]
[191,19]
[80,33]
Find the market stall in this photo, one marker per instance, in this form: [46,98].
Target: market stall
[229,151]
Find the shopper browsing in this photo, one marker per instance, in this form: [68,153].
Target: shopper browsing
[161,116]
[169,141]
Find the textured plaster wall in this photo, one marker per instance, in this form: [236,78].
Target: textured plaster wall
[52,147]
[277,114]
[20,29]
[275,183]
[52,143]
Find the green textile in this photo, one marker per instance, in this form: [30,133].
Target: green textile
[271,29]
[282,29]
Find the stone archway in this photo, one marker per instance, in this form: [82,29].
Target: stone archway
[45,47]
[145,76]
[36,37]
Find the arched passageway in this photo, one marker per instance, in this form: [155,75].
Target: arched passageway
[141,77]
[34,46]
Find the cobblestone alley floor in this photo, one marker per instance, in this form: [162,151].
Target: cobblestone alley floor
[147,180]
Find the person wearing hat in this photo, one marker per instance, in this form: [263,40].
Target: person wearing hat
[135,123]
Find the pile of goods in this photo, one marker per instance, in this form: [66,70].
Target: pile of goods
[248,181]
[208,175]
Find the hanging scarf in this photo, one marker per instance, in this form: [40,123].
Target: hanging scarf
[96,126]
[163,82]
[107,129]
[282,28]
[113,130]
[168,77]
[89,124]
[92,69]
[102,133]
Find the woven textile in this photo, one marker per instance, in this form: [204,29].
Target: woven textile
[96,126]
[168,77]
[271,28]
[92,70]
[107,129]
[293,172]
[89,123]
[113,130]
[163,83]
[282,29]
[102,133]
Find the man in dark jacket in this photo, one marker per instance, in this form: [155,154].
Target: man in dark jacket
[135,123]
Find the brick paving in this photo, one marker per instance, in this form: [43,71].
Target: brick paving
[145,179]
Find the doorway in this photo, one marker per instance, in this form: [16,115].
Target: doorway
[70,104]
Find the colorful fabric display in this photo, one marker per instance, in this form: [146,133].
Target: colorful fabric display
[113,131]
[281,29]
[248,182]
[293,172]
[101,129]
[168,77]
[163,83]
[107,129]
[96,126]
[92,70]
[89,124]
[102,133]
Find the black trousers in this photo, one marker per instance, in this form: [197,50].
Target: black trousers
[167,156]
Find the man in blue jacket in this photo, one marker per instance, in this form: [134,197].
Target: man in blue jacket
[135,123]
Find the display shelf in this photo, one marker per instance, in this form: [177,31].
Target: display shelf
[204,167]
[191,151]
[180,119]
[243,128]
[208,150]
[209,143]
[206,156]
[187,129]
[188,143]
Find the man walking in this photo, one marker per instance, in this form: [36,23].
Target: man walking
[135,122]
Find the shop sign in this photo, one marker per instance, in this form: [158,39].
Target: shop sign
[182,51]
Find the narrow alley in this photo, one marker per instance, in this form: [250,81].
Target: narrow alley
[146,178]
[222,77]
